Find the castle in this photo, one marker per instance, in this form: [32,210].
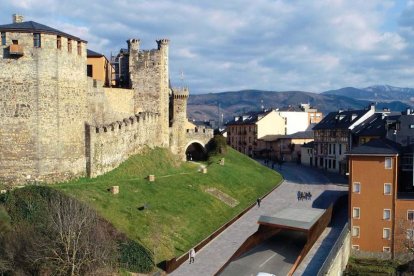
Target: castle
[57,123]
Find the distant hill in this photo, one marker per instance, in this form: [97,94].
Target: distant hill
[376,93]
[206,106]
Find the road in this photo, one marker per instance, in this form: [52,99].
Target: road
[325,188]
[280,252]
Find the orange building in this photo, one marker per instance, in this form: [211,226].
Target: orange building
[99,68]
[381,201]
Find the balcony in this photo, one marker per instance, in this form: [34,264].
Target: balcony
[16,50]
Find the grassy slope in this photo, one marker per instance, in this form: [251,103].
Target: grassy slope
[180,213]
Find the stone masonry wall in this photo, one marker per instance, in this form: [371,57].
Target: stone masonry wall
[42,110]
[178,121]
[106,105]
[109,145]
[150,80]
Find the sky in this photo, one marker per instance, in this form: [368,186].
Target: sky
[276,45]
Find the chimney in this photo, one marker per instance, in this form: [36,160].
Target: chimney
[17,18]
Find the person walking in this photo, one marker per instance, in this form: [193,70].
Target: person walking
[192,255]
[258,202]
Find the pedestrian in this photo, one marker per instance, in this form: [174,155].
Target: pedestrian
[192,255]
[310,196]
[298,195]
[258,202]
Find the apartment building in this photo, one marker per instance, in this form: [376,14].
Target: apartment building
[333,137]
[244,131]
[381,198]
[283,147]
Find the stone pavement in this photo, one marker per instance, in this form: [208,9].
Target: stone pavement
[297,178]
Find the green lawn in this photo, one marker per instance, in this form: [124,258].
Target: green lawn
[180,213]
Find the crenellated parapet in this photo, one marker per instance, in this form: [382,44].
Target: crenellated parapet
[111,144]
[181,93]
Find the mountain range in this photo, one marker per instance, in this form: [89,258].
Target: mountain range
[225,105]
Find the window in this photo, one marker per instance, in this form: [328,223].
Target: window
[334,164]
[387,189]
[89,71]
[355,231]
[411,126]
[70,45]
[330,148]
[15,42]
[388,163]
[3,39]
[410,215]
[79,48]
[36,40]
[355,247]
[340,149]
[410,234]
[356,187]
[386,233]
[356,212]
[333,148]
[386,249]
[59,42]
[386,214]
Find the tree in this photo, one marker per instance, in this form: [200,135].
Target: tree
[78,242]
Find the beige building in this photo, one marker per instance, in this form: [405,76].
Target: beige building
[244,131]
[99,68]
[283,147]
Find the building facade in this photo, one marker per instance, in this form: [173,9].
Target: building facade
[381,199]
[333,138]
[99,68]
[244,131]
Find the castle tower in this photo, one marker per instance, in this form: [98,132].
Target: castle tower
[149,79]
[178,120]
[42,103]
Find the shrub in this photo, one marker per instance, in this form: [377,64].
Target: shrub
[217,145]
[135,257]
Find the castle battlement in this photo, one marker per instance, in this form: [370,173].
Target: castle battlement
[141,118]
[181,93]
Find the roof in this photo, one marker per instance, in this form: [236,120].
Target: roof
[377,147]
[34,27]
[296,135]
[340,119]
[248,119]
[91,53]
[375,125]
[309,145]
[293,218]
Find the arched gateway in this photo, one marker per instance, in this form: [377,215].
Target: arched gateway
[195,151]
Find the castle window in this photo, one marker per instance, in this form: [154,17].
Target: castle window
[3,39]
[79,48]
[59,42]
[70,45]
[36,40]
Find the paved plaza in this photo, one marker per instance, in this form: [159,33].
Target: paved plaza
[325,188]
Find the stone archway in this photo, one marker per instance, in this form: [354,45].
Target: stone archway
[195,151]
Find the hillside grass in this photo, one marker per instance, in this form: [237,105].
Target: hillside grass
[179,214]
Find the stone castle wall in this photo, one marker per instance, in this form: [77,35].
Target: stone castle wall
[109,145]
[42,110]
[149,79]
[178,107]
[106,105]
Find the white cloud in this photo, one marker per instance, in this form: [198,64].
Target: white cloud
[268,44]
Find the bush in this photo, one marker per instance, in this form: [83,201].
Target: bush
[217,145]
[135,257]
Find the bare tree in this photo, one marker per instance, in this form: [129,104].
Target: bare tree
[77,241]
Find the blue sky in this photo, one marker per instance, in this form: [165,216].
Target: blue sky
[276,45]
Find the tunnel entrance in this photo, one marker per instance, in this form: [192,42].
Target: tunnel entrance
[196,152]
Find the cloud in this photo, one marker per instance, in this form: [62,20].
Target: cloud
[231,45]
